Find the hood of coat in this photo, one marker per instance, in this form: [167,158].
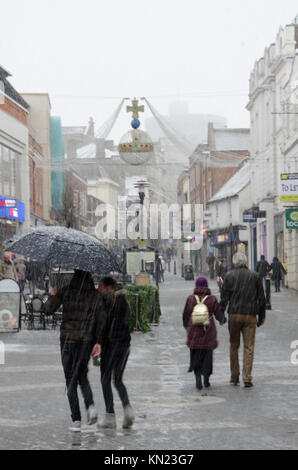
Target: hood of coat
[202,291]
[120,292]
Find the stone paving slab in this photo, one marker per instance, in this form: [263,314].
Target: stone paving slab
[170,412]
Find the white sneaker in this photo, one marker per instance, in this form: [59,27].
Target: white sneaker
[91,415]
[109,421]
[75,427]
[129,417]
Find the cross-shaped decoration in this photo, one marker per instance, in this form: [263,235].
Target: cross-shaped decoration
[135,109]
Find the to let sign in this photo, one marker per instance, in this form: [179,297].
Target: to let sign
[289,187]
[292,218]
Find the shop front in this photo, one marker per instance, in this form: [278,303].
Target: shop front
[279,237]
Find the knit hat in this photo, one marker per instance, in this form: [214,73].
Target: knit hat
[201,282]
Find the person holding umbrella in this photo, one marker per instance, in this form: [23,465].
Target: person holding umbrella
[83,320]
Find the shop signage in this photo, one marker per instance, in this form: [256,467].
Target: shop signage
[207,215]
[9,203]
[289,187]
[223,239]
[9,305]
[249,218]
[292,218]
[12,209]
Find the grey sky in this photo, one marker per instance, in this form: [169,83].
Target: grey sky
[114,48]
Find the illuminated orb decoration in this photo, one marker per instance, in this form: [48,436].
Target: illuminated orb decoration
[136,147]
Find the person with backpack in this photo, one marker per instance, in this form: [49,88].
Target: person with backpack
[198,320]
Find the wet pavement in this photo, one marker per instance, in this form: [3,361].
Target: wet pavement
[170,412]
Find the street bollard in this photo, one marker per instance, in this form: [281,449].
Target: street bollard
[154,323]
[268,293]
[182,270]
[169,266]
[175,268]
[137,329]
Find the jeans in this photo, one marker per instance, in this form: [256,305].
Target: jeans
[113,363]
[75,359]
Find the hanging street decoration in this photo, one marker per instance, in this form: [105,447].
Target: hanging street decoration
[135,147]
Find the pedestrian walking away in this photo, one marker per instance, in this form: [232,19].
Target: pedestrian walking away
[83,320]
[277,272]
[115,350]
[221,271]
[202,340]
[243,294]
[20,267]
[210,260]
[263,268]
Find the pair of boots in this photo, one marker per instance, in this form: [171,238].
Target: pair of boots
[109,420]
[199,382]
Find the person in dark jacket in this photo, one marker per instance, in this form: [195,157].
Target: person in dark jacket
[201,341]
[263,268]
[277,271]
[243,294]
[83,320]
[210,260]
[221,271]
[115,350]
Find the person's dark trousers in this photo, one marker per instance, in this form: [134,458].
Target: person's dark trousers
[277,285]
[202,362]
[75,358]
[112,364]
[21,285]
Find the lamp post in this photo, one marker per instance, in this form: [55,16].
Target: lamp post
[141,186]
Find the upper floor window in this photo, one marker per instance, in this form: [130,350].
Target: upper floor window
[8,172]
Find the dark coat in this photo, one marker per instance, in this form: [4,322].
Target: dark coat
[263,267]
[116,330]
[83,316]
[243,293]
[197,336]
[277,270]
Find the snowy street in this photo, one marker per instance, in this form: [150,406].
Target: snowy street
[170,412]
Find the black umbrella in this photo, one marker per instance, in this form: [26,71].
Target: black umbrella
[60,247]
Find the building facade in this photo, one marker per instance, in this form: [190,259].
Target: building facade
[39,128]
[36,183]
[14,162]
[212,165]
[227,231]
[273,107]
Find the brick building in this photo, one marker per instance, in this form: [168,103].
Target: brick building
[211,166]
[75,202]
[214,163]
[36,182]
